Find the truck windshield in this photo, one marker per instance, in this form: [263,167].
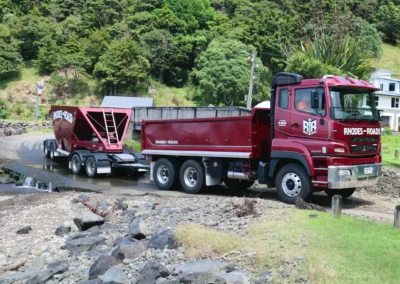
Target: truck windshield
[353,105]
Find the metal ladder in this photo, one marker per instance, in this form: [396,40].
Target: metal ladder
[111,130]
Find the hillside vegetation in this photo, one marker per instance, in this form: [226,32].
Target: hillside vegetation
[183,52]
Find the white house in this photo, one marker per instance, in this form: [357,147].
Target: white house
[388,98]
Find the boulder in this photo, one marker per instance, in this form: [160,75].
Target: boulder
[101,265]
[130,251]
[115,275]
[151,271]
[164,240]
[88,220]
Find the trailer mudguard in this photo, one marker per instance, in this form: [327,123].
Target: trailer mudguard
[103,163]
[278,155]
[83,154]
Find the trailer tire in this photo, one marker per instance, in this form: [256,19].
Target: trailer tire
[165,174]
[91,167]
[345,193]
[76,164]
[192,177]
[237,184]
[46,149]
[52,151]
[291,182]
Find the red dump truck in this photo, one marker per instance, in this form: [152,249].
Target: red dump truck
[318,135]
[92,139]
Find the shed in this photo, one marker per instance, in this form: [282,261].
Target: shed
[126,102]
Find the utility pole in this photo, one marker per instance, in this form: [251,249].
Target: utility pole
[39,89]
[253,67]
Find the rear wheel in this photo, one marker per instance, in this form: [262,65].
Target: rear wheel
[345,193]
[76,164]
[237,184]
[291,182]
[91,167]
[52,151]
[46,149]
[191,177]
[165,174]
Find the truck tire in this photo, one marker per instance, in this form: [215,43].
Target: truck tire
[345,193]
[52,151]
[46,149]
[76,164]
[291,182]
[91,167]
[165,174]
[237,184]
[192,177]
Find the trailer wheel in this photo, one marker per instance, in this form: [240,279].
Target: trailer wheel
[46,149]
[191,177]
[237,184]
[345,193]
[164,174]
[291,182]
[91,167]
[52,151]
[76,164]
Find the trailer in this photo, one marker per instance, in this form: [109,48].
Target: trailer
[92,139]
[319,134]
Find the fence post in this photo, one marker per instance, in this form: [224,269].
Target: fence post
[396,154]
[337,201]
[397,217]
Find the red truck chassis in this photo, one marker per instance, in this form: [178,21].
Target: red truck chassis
[333,147]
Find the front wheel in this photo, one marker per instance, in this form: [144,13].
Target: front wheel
[164,174]
[345,193]
[191,177]
[91,167]
[291,182]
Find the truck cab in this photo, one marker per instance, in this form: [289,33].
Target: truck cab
[331,128]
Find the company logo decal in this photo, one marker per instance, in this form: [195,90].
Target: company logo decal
[309,126]
[62,114]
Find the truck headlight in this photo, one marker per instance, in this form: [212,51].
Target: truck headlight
[344,172]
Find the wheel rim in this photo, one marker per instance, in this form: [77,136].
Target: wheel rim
[163,174]
[75,164]
[291,184]
[190,177]
[90,166]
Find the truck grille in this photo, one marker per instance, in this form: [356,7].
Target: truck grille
[363,139]
[363,148]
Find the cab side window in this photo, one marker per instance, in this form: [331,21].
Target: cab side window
[283,100]
[303,100]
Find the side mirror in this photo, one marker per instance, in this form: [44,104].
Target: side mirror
[314,100]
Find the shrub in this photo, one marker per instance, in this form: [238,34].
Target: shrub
[388,131]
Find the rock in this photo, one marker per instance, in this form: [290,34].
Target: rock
[123,241]
[115,275]
[164,240]
[94,281]
[43,276]
[130,251]
[103,206]
[83,197]
[62,230]
[202,265]
[24,230]
[88,220]
[235,277]
[79,245]
[138,229]
[201,278]
[101,265]
[151,271]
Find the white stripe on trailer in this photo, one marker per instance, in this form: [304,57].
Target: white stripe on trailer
[244,155]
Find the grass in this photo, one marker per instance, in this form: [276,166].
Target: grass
[389,145]
[170,96]
[28,74]
[389,60]
[133,143]
[346,250]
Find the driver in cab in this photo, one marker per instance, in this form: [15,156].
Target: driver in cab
[304,104]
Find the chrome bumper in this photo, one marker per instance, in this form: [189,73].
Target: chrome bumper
[354,176]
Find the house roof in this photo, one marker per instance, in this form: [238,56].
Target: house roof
[387,94]
[126,102]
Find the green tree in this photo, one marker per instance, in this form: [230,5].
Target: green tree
[10,58]
[121,66]
[223,74]
[388,22]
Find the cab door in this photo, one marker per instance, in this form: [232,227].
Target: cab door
[282,123]
[312,122]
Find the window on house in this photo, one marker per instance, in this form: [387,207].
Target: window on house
[376,100]
[284,98]
[395,102]
[392,87]
[381,87]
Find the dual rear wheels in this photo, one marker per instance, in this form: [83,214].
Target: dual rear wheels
[190,175]
[90,165]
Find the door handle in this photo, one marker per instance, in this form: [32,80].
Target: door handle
[295,125]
